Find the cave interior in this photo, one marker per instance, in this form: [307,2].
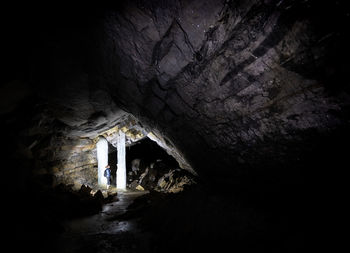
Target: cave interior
[236,116]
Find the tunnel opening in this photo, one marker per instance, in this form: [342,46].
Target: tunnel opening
[77,160]
[148,152]
[147,165]
[150,167]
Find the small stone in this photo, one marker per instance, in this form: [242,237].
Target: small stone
[140,188]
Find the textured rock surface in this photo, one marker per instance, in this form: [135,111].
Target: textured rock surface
[223,76]
[160,176]
[226,84]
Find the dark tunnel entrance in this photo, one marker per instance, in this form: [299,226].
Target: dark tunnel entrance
[149,167]
[146,164]
[148,151]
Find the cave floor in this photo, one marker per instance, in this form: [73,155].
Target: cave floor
[106,231]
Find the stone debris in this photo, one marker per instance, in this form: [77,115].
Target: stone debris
[160,177]
[174,181]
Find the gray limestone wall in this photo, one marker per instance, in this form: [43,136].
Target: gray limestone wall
[231,86]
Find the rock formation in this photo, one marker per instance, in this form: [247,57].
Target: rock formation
[238,81]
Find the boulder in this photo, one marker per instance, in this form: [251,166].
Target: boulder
[174,181]
[85,190]
[99,196]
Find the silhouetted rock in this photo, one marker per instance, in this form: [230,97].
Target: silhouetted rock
[85,190]
[99,196]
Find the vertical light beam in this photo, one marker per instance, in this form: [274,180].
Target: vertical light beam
[121,171]
[102,160]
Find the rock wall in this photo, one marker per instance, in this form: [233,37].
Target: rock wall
[233,86]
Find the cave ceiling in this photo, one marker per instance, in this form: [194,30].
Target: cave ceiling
[225,78]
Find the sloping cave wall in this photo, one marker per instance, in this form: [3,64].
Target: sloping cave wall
[229,83]
[252,93]
[236,82]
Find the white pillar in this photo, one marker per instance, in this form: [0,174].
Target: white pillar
[121,169]
[102,160]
